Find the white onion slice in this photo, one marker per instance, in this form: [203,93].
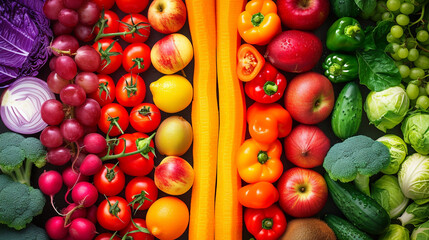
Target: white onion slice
[21,104]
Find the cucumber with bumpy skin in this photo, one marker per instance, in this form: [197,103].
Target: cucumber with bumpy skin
[344,230]
[347,113]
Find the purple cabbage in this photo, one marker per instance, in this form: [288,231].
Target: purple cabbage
[24,39]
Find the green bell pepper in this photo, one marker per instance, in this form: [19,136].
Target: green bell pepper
[340,67]
[345,34]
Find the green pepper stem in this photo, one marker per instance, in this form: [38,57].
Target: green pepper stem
[352,30]
[335,69]
[257,19]
[263,157]
[267,223]
[270,88]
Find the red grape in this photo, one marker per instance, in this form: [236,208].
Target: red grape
[60,29]
[88,13]
[73,95]
[56,83]
[87,59]
[58,156]
[52,112]
[83,33]
[73,4]
[51,137]
[88,81]
[52,63]
[66,67]
[88,114]
[51,8]
[64,43]
[68,17]
[71,130]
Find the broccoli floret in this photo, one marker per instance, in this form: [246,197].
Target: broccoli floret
[18,154]
[356,159]
[32,232]
[19,203]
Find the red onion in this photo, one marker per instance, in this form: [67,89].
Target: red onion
[21,104]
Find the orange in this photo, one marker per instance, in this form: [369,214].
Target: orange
[167,218]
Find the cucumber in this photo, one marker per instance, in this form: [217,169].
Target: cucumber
[345,8]
[347,113]
[343,229]
[361,210]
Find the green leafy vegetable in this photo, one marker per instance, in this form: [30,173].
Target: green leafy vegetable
[415,129]
[375,37]
[414,178]
[367,6]
[395,232]
[415,214]
[398,151]
[421,233]
[388,194]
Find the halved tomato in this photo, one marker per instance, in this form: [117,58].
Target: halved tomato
[250,62]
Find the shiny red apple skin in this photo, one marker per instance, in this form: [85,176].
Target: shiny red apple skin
[167,16]
[303,14]
[309,98]
[303,192]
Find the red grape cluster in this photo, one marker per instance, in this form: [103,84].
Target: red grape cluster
[77,16]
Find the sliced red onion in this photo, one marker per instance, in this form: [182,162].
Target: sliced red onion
[21,104]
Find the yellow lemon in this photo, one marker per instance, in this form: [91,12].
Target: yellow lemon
[171,93]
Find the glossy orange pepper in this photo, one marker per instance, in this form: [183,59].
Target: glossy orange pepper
[258,162]
[267,122]
[258,195]
[259,23]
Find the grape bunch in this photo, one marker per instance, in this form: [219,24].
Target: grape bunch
[72,16]
[408,45]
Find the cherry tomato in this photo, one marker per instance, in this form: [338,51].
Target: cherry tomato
[110,180]
[137,235]
[142,24]
[114,213]
[111,55]
[106,4]
[134,192]
[107,236]
[106,90]
[138,164]
[113,112]
[112,24]
[145,117]
[132,6]
[130,90]
[250,62]
[136,58]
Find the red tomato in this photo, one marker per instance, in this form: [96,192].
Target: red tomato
[137,235]
[250,62]
[106,4]
[136,58]
[107,236]
[106,90]
[114,216]
[145,117]
[111,55]
[132,6]
[134,192]
[130,90]
[113,111]
[112,24]
[142,24]
[110,180]
[138,164]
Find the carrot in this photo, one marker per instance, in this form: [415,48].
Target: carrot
[205,118]
[228,212]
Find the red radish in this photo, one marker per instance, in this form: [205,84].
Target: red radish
[306,146]
[78,161]
[50,183]
[90,165]
[73,211]
[84,193]
[82,229]
[71,177]
[94,143]
[91,214]
[55,228]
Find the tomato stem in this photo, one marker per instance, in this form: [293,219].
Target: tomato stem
[140,199]
[133,28]
[110,172]
[102,87]
[143,148]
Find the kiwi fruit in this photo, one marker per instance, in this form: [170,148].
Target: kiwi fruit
[308,229]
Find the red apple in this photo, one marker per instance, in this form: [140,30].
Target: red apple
[309,98]
[306,146]
[303,14]
[174,175]
[167,16]
[303,192]
[294,51]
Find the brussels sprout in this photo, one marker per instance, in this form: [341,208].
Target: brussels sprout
[395,232]
[388,194]
[414,177]
[421,233]
[398,151]
[415,129]
[415,214]
[387,108]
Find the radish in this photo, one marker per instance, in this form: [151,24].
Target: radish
[82,229]
[55,228]
[73,211]
[94,143]
[84,193]
[90,165]
[50,183]
[91,214]
[71,177]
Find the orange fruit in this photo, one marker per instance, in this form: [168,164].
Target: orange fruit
[167,218]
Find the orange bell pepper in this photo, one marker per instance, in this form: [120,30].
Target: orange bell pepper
[259,162]
[258,195]
[267,122]
[259,23]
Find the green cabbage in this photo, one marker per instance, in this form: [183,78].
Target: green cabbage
[395,232]
[388,194]
[415,129]
[414,177]
[398,151]
[415,214]
[421,233]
